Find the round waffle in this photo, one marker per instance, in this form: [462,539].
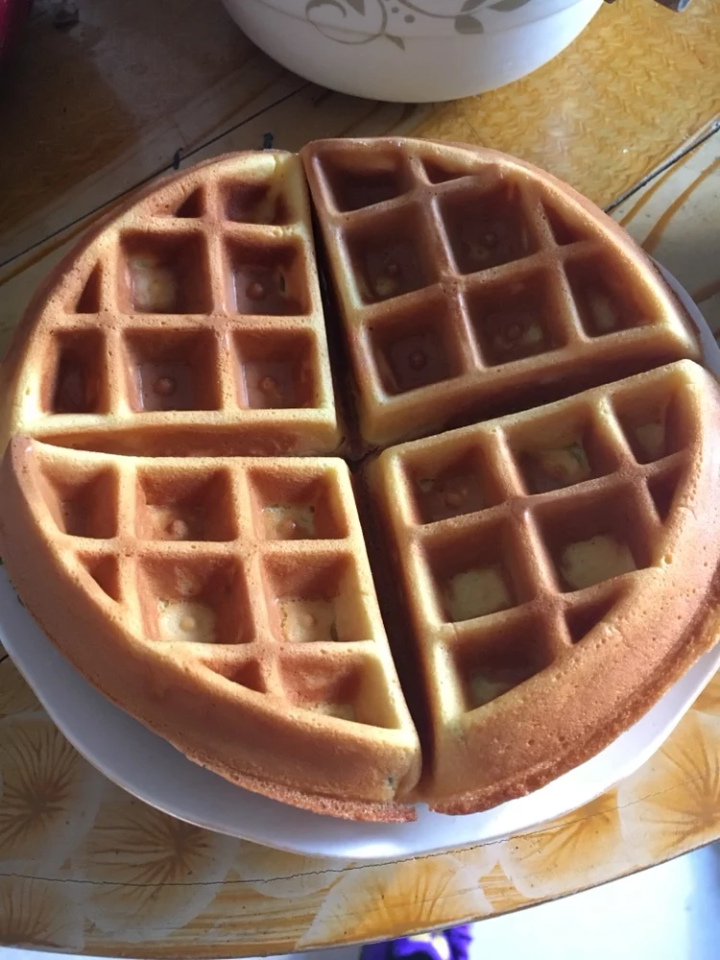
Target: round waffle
[175,512]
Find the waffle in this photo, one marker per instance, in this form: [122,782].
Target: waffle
[231,607]
[175,512]
[471,284]
[188,323]
[558,568]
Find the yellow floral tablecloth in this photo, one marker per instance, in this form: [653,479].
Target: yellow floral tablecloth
[85,867]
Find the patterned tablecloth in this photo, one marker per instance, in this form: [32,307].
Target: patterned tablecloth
[96,110]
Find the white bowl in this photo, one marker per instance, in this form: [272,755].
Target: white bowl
[412,51]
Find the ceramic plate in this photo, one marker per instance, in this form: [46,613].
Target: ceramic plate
[148,767]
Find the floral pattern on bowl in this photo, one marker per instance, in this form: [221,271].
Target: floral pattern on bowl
[378,16]
[357,22]
[381,49]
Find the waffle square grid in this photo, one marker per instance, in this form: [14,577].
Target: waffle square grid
[514,538]
[252,568]
[454,284]
[194,323]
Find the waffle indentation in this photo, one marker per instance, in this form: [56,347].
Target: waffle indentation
[89,299]
[194,599]
[516,321]
[594,539]
[181,202]
[583,617]
[486,229]
[493,659]
[353,690]
[663,487]
[276,370]
[190,504]
[172,370]
[267,279]
[105,572]
[75,378]
[438,171]
[553,452]
[655,424]
[254,203]
[475,571]
[566,229]
[389,256]
[82,503]
[356,185]
[248,674]
[302,505]
[164,273]
[451,482]
[315,598]
[192,206]
[607,296]
[415,347]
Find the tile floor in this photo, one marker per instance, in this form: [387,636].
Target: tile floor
[671,912]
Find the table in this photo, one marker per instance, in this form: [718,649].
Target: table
[628,115]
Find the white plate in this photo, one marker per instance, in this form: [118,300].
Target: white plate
[148,767]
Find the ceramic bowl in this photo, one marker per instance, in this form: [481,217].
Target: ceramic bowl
[412,51]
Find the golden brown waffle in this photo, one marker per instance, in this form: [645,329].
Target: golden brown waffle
[558,569]
[471,284]
[543,577]
[188,323]
[226,603]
